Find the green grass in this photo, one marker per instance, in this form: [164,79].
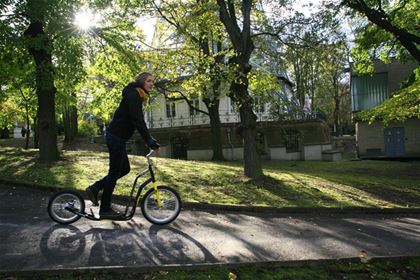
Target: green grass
[286,183]
[374,269]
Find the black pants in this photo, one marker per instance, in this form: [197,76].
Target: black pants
[119,166]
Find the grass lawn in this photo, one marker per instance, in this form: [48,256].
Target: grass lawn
[374,269]
[286,183]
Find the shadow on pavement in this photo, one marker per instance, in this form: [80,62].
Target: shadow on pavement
[71,247]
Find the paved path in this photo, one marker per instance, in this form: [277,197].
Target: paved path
[30,240]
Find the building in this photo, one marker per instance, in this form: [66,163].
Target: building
[186,134]
[368,91]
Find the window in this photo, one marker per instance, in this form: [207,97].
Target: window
[261,143]
[369,91]
[196,104]
[170,109]
[292,140]
[259,105]
[233,108]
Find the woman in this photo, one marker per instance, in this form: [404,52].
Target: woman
[127,118]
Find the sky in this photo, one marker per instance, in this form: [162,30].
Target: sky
[146,24]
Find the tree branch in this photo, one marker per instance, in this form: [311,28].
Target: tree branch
[229,23]
[400,7]
[407,39]
[183,97]
[176,24]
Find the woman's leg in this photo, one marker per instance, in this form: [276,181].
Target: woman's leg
[117,162]
[125,166]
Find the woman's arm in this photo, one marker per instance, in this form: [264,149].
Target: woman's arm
[135,109]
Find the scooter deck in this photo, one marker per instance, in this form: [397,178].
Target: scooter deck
[96,217]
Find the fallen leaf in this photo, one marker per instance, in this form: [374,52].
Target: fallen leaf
[364,257]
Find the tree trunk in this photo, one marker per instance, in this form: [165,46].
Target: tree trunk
[248,130]
[215,130]
[248,126]
[36,135]
[39,46]
[336,106]
[70,123]
[336,115]
[28,129]
[73,120]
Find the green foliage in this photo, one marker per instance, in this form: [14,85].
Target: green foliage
[87,128]
[112,57]
[315,54]
[198,48]
[106,77]
[8,112]
[114,42]
[373,41]
[17,75]
[263,85]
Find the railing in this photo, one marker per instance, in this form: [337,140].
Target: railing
[200,119]
[225,117]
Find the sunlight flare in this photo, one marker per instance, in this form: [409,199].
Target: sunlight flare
[86,19]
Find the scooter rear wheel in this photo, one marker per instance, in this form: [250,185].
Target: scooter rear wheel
[61,204]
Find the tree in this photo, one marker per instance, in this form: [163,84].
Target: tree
[59,51]
[34,25]
[237,22]
[40,47]
[315,55]
[70,74]
[107,74]
[202,46]
[17,74]
[333,90]
[8,111]
[114,55]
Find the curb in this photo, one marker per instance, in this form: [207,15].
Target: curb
[243,208]
[196,267]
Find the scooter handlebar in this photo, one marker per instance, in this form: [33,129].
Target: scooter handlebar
[150,153]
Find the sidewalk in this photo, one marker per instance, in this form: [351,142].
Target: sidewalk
[29,240]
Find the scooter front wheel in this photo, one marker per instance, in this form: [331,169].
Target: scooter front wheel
[64,205]
[167,211]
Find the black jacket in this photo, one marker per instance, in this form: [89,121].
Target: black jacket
[129,115]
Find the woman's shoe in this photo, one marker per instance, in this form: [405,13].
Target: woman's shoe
[109,214]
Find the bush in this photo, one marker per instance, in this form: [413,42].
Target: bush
[87,128]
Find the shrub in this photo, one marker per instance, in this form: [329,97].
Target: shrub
[87,128]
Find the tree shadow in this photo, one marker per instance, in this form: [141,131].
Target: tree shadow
[303,196]
[315,237]
[375,180]
[24,166]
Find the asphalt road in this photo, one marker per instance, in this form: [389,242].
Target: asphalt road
[29,240]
